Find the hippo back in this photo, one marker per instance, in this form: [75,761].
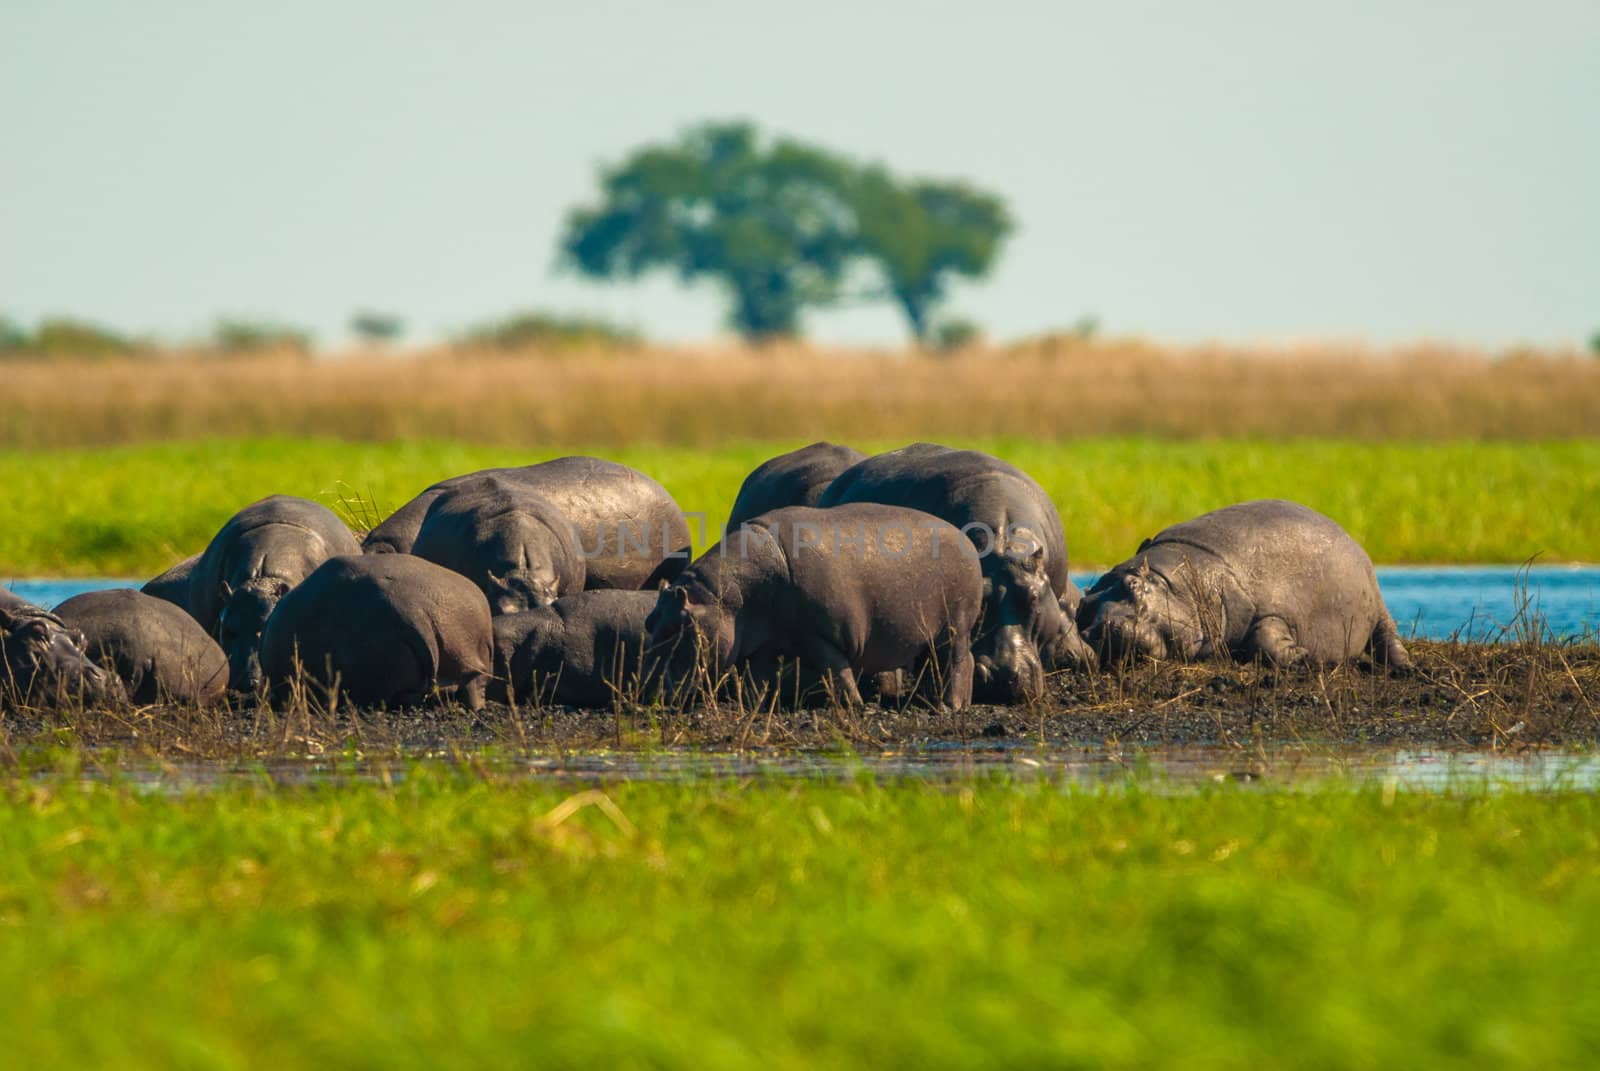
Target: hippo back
[628,527]
[173,585]
[388,628]
[797,478]
[154,646]
[974,491]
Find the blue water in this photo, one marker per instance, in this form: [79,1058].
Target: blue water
[1477,602]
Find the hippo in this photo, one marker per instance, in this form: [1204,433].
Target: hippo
[159,652]
[1269,580]
[1025,628]
[583,650]
[507,539]
[259,556]
[385,629]
[43,662]
[173,585]
[846,592]
[627,527]
[797,478]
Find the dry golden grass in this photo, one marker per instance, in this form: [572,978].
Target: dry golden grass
[1051,389]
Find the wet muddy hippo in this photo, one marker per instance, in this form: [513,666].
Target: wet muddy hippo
[846,592]
[392,629]
[510,541]
[584,650]
[797,478]
[43,662]
[1008,517]
[1268,580]
[160,653]
[173,585]
[629,530]
[259,556]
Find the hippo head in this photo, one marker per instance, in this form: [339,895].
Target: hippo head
[1021,615]
[688,627]
[1133,612]
[239,627]
[43,662]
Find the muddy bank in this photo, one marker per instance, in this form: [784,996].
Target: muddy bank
[1462,695]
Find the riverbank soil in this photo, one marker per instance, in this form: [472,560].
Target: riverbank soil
[1509,696]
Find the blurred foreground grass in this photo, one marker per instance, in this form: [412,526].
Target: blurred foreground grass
[134,510]
[450,920]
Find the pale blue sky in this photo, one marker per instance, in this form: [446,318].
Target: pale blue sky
[1231,170]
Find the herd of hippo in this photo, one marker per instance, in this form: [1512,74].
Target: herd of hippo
[926,573]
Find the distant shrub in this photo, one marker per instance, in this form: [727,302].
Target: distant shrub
[530,329]
[13,337]
[376,327]
[65,337]
[238,336]
[952,335]
[1594,343]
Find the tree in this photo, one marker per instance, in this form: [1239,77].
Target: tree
[377,328]
[919,234]
[781,226]
[769,222]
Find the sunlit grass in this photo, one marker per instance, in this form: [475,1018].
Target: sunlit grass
[455,921]
[134,510]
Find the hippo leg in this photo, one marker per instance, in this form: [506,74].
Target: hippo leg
[955,668]
[835,672]
[1387,650]
[1269,640]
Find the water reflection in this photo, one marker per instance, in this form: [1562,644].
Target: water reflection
[1161,770]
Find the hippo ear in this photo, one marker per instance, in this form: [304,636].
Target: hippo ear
[226,591]
[663,585]
[1036,561]
[681,597]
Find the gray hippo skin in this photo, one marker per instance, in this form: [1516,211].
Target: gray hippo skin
[628,528]
[847,592]
[43,662]
[797,478]
[582,651]
[260,555]
[1268,580]
[510,541]
[159,652]
[173,585]
[392,629]
[1024,629]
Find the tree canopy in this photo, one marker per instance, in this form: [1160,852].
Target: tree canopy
[783,226]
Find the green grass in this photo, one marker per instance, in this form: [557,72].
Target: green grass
[134,510]
[454,921]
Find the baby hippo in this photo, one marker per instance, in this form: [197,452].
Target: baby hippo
[510,541]
[160,653]
[846,592]
[385,630]
[1268,580]
[43,662]
[581,651]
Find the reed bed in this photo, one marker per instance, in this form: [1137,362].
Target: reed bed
[1053,389]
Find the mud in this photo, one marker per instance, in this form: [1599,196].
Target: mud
[1462,696]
